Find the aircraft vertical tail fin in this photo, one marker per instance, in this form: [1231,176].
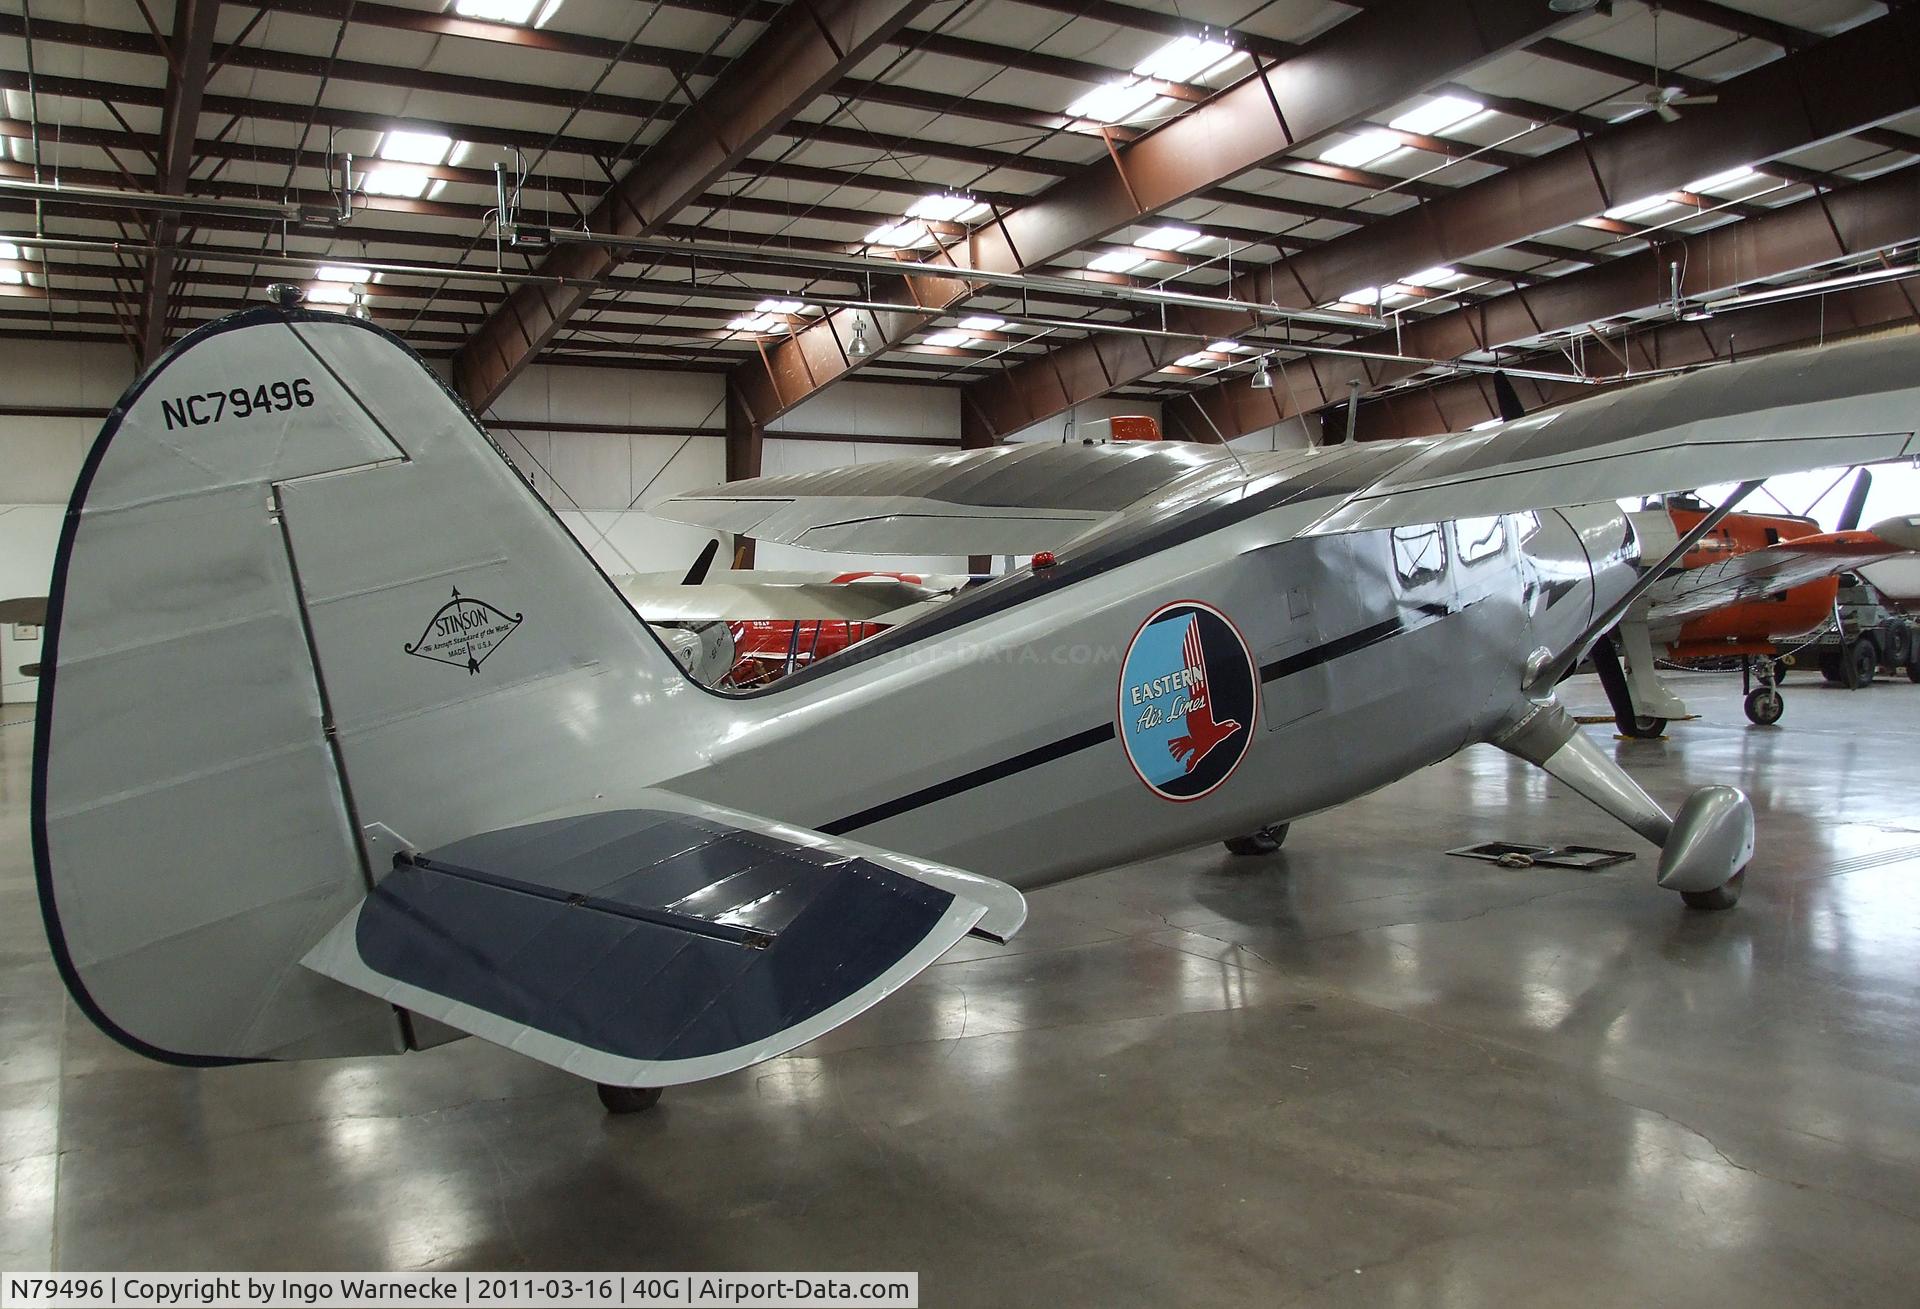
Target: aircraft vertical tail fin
[299,593]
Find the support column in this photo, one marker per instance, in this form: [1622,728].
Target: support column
[745,440]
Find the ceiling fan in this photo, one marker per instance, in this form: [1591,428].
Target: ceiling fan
[1663,100]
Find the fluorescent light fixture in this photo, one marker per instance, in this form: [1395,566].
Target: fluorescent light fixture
[1635,208]
[779,306]
[343,273]
[1719,180]
[410,183]
[404,147]
[1432,277]
[12,276]
[8,250]
[1117,261]
[755,323]
[983,323]
[947,208]
[1113,102]
[1437,115]
[1361,150]
[497,11]
[1170,237]
[1183,58]
[948,338]
[329,293]
[1226,347]
[1366,295]
[1199,359]
[898,234]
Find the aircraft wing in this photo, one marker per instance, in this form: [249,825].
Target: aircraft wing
[1012,499]
[1757,574]
[657,944]
[1855,403]
[664,598]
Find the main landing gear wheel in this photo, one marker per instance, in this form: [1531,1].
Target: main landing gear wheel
[1267,840]
[1765,706]
[1725,896]
[1642,728]
[627,1099]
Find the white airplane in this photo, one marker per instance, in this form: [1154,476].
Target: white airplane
[345,746]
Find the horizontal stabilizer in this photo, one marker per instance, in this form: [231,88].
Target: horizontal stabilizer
[657,945]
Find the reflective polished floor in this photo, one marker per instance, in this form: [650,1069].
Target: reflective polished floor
[1360,1072]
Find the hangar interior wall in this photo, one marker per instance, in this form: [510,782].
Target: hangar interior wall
[595,480]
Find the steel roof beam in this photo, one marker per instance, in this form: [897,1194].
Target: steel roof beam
[1457,405]
[1861,219]
[1358,68]
[190,53]
[1863,77]
[805,50]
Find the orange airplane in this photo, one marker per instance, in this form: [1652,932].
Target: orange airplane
[1754,586]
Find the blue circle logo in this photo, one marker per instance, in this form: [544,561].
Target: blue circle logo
[1189,695]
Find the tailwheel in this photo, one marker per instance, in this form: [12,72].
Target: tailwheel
[1267,840]
[627,1099]
[1765,705]
[1642,728]
[1725,896]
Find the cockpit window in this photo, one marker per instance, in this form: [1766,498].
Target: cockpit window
[1419,554]
[1480,538]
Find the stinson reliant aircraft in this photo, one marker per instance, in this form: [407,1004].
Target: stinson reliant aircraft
[346,746]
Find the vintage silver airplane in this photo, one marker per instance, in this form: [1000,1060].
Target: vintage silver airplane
[345,746]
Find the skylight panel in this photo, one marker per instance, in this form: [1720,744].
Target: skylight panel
[403,147]
[329,293]
[409,183]
[1113,102]
[8,250]
[899,235]
[1170,237]
[1438,114]
[498,11]
[946,208]
[779,306]
[756,323]
[1432,278]
[1117,261]
[1184,58]
[1634,208]
[343,273]
[1359,151]
[1721,180]
[1226,347]
[948,338]
[1198,359]
[983,323]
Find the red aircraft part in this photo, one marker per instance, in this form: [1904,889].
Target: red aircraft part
[765,650]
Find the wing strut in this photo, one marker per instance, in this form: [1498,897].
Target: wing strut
[1605,621]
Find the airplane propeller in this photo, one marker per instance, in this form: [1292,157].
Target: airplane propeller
[698,573]
[1856,502]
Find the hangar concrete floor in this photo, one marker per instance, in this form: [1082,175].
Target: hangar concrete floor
[1361,1072]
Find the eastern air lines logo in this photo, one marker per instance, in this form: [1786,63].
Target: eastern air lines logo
[1188,697]
[463,632]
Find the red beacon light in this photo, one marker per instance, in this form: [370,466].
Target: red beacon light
[1044,559]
